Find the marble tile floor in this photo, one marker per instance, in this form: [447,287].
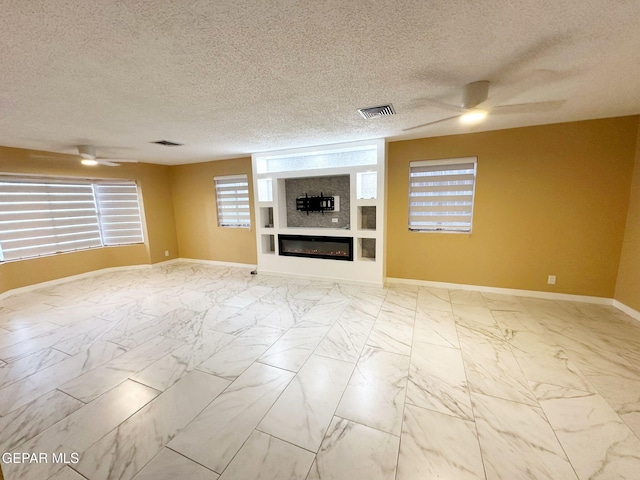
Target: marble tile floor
[204,372]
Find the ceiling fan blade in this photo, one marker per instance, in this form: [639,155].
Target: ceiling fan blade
[534,107]
[532,80]
[107,163]
[430,123]
[444,105]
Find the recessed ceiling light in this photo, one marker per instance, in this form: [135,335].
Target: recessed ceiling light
[88,162]
[473,116]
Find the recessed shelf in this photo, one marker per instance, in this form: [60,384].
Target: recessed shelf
[266,217]
[268,244]
[367,249]
[265,190]
[366,185]
[367,217]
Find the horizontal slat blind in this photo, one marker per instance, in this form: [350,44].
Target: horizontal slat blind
[119,211]
[40,218]
[441,195]
[44,216]
[232,198]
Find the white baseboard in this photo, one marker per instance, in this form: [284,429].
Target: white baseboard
[320,279]
[79,276]
[406,281]
[71,278]
[505,291]
[628,310]
[219,263]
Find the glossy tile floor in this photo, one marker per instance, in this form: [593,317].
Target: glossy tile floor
[193,371]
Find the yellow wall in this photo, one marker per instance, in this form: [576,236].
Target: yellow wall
[628,286]
[550,200]
[194,203]
[155,185]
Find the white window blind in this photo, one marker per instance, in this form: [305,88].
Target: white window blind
[119,211]
[232,198]
[48,216]
[441,195]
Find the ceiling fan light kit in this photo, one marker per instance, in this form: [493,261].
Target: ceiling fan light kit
[474,95]
[473,116]
[88,162]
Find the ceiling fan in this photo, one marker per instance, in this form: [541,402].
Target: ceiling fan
[476,105]
[87,156]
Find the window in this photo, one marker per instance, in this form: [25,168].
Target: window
[232,197]
[119,213]
[337,158]
[47,216]
[441,195]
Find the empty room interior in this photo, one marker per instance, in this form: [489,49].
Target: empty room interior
[325,240]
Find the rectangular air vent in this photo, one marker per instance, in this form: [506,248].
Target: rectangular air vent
[379,111]
[167,143]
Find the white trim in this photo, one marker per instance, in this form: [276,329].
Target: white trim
[70,278]
[635,314]
[389,280]
[506,291]
[239,176]
[143,266]
[221,264]
[444,161]
[321,278]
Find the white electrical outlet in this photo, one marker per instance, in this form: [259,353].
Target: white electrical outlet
[334,220]
[551,280]
[166,253]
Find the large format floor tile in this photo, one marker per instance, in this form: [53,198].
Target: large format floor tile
[438,446]
[517,441]
[351,451]
[376,392]
[303,412]
[263,457]
[206,372]
[215,435]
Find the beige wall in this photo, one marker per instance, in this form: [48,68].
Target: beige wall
[628,286]
[550,200]
[194,203]
[155,185]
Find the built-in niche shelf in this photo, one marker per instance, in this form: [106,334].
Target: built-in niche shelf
[285,183]
[266,217]
[367,217]
[268,244]
[367,249]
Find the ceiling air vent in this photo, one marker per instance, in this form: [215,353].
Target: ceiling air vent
[167,143]
[375,112]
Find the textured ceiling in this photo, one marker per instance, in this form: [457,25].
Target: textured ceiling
[232,77]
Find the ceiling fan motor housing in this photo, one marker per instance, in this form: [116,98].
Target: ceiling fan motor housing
[87,152]
[474,93]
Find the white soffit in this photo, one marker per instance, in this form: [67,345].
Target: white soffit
[230,77]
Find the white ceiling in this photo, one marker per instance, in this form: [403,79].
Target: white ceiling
[232,77]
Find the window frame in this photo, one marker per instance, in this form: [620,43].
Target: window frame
[240,178]
[442,163]
[46,226]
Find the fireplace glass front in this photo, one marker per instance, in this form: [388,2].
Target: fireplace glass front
[333,248]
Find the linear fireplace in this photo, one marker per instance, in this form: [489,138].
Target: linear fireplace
[333,248]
